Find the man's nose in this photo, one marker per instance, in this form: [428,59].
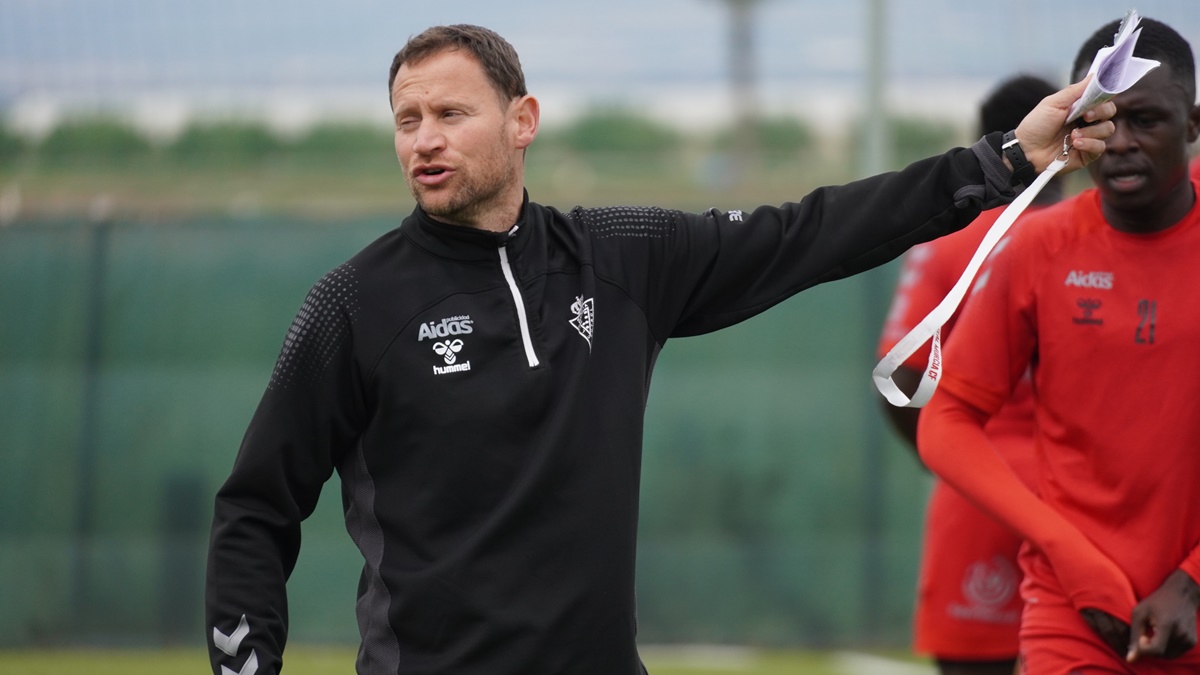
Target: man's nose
[428,138]
[1123,139]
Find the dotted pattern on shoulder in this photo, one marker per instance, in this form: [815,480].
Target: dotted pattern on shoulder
[628,221]
[319,329]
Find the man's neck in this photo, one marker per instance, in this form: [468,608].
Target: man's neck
[1156,217]
[498,215]
[500,220]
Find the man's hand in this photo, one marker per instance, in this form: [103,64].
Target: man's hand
[1113,631]
[1164,624]
[1042,131]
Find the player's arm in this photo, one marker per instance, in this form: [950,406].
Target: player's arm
[954,446]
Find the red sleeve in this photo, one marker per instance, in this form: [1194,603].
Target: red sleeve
[994,342]
[1191,564]
[952,444]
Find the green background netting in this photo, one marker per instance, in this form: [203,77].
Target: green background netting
[777,508]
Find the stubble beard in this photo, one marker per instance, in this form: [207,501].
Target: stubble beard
[469,196]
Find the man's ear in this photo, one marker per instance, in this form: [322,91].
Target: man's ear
[1193,124]
[526,113]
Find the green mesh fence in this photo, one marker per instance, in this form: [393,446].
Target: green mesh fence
[777,509]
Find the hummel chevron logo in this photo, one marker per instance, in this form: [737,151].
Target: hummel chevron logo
[230,643]
[248,668]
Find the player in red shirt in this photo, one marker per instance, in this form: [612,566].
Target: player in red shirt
[1095,295]
[968,609]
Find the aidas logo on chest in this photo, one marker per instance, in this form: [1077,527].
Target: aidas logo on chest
[447,345]
[1081,279]
[451,325]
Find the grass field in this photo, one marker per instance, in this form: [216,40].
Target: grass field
[308,660]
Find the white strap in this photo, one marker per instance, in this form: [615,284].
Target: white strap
[931,325]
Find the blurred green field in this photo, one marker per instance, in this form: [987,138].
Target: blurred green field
[100,164]
[309,660]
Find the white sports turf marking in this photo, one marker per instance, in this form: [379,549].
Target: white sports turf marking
[853,663]
[699,657]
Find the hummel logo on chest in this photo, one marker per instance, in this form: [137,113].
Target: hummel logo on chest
[1088,307]
[447,346]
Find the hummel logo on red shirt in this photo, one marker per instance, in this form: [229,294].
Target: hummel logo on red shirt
[1089,307]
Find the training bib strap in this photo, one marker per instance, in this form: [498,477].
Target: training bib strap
[931,326]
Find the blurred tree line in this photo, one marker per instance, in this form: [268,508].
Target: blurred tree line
[598,134]
[111,142]
[243,167]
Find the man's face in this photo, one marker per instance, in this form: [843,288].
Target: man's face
[1147,156]
[455,139]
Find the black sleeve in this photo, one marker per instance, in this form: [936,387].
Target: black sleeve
[720,268]
[307,419]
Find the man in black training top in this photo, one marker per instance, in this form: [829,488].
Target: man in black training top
[478,376]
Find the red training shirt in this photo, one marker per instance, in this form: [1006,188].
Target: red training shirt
[1110,322]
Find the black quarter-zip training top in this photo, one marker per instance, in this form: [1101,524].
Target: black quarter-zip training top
[481,397]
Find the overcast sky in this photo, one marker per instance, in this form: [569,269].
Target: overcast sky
[56,53]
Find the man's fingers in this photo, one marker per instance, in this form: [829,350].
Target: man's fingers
[1097,131]
[1137,630]
[1136,642]
[1089,150]
[1147,645]
[1090,141]
[1104,111]
[1063,98]
[1100,131]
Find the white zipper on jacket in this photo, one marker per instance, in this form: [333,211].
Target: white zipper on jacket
[521,318]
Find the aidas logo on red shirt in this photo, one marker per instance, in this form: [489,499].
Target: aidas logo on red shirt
[1081,279]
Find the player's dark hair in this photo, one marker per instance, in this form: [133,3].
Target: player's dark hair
[1010,101]
[1157,41]
[498,58]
